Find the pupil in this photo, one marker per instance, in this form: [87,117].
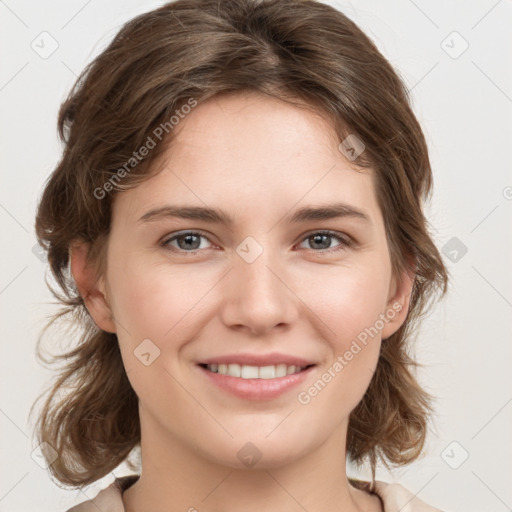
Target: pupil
[188,240]
[316,237]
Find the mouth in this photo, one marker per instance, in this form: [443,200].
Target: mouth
[249,372]
[259,383]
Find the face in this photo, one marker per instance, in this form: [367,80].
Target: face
[276,291]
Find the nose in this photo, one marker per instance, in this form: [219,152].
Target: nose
[258,296]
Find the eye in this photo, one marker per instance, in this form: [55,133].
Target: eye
[322,240]
[187,242]
[190,242]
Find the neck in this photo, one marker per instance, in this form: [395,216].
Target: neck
[175,478]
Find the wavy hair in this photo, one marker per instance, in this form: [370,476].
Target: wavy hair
[301,51]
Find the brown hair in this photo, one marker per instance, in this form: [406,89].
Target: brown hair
[299,50]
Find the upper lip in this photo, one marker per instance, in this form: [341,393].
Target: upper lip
[258,360]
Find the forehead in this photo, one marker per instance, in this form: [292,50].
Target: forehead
[250,124]
[251,151]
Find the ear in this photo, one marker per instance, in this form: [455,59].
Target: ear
[398,303]
[91,287]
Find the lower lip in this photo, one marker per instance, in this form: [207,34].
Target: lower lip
[257,389]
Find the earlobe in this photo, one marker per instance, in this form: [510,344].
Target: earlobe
[91,287]
[398,304]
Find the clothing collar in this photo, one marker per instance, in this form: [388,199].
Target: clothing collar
[394,497]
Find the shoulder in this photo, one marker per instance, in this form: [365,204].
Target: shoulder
[108,499]
[395,497]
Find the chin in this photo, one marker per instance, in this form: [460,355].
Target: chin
[254,452]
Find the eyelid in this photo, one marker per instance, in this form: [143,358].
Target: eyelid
[173,236]
[345,240]
[339,234]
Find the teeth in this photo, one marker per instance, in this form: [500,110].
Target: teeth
[250,372]
[254,372]
[265,372]
[234,370]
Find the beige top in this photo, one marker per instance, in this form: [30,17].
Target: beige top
[394,497]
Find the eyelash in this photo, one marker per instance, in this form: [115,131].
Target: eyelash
[345,242]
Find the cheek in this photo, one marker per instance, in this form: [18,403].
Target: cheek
[349,308]
[346,301]
[338,305]
[161,304]
[163,301]
[156,301]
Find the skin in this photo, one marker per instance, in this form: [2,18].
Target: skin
[258,159]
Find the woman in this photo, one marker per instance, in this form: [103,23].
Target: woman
[237,224]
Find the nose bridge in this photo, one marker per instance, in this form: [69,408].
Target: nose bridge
[256,259]
[258,297]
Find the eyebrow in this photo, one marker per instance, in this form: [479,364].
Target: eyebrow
[217,216]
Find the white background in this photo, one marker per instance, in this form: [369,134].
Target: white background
[464,105]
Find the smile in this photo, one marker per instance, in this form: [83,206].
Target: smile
[255,382]
[244,371]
